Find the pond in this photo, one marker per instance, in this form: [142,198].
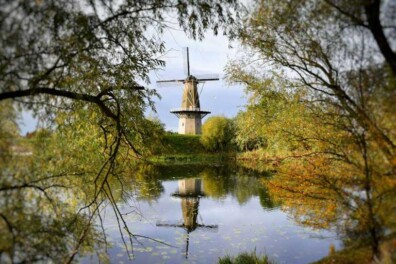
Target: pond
[201,213]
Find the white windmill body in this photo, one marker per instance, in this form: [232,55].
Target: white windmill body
[190,114]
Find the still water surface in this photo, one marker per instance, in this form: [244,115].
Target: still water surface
[206,212]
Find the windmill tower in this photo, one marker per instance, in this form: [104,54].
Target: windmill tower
[190,192]
[190,114]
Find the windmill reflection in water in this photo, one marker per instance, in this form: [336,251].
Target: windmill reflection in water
[189,192]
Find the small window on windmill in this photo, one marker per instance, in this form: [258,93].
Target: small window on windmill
[182,124]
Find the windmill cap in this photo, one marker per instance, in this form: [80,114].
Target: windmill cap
[191,78]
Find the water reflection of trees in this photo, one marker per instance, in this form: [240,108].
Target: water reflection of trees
[50,207]
[51,201]
[218,182]
[324,193]
[242,185]
[40,224]
[147,181]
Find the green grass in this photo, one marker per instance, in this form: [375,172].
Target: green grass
[245,258]
[191,158]
[182,144]
[186,149]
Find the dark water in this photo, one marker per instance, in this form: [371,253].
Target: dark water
[206,212]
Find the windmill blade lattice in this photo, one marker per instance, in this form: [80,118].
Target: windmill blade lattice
[186,61]
[170,83]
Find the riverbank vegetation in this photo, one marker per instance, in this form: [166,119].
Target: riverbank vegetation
[216,144]
[81,68]
[245,258]
[320,77]
[321,109]
[361,255]
[175,148]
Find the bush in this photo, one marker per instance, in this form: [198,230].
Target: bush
[244,258]
[217,133]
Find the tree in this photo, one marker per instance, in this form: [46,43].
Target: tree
[217,133]
[8,129]
[315,52]
[69,54]
[336,57]
[374,16]
[272,113]
[81,66]
[248,135]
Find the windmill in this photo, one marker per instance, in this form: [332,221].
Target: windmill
[190,191]
[190,114]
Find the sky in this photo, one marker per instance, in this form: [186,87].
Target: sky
[208,56]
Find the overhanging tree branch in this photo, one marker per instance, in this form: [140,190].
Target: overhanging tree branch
[62,93]
[372,11]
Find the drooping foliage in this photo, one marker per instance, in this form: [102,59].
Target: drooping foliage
[320,76]
[8,129]
[81,67]
[69,54]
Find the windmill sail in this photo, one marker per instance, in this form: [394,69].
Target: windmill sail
[190,114]
[186,61]
[170,83]
[207,77]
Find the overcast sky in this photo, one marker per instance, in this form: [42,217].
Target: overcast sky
[206,57]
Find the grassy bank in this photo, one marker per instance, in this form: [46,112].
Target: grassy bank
[363,255]
[191,158]
[175,144]
[186,149]
[360,254]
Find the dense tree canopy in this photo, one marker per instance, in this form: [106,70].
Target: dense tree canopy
[320,77]
[81,66]
[324,51]
[62,53]
[217,133]
[321,80]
